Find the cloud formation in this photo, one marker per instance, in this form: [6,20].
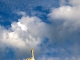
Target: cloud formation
[65,29]
[62,34]
[23,35]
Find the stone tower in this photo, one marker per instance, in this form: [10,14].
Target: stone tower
[32,53]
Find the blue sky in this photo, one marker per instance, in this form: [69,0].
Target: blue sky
[51,27]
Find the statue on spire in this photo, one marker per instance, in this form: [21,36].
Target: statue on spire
[32,57]
[32,53]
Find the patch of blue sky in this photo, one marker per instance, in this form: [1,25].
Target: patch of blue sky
[42,12]
[7,19]
[7,8]
[7,54]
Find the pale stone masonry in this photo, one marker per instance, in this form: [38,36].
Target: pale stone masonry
[32,53]
[32,57]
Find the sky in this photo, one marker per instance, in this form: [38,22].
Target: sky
[51,27]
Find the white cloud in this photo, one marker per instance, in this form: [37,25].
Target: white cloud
[48,58]
[29,32]
[70,16]
[23,27]
[58,58]
[21,13]
[23,35]
[61,12]
[65,26]
[70,2]
[66,13]
[62,2]
[74,2]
